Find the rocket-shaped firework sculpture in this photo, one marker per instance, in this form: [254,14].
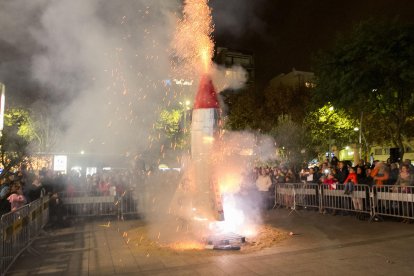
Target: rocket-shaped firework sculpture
[207,201]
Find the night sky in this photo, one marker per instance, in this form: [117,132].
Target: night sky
[285,34]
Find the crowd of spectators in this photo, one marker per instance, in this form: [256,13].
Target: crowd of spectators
[24,186]
[264,179]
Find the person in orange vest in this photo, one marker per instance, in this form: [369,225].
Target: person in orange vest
[380,173]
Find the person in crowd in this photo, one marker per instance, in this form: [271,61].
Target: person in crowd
[394,172]
[405,179]
[350,181]
[362,176]
[290,176]
[369,180]
[341,172]
[380,174]
[263,184]
[331,181]
[313,176]
[361,163]
[334,161]
[280,176]
[409,164]
[303,174]
[319,175]
[48,181]
[35,190]
[104,186]
[402,185]
[16,197]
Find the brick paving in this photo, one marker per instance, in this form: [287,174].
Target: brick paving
[322,245]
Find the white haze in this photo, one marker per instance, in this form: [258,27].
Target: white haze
[105,61]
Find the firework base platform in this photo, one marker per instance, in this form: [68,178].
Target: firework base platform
[225,241]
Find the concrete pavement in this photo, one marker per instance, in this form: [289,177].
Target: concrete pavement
[322,245]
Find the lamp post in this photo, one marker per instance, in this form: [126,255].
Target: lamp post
[360,137]
[331,109]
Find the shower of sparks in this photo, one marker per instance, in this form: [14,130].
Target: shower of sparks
[193,42]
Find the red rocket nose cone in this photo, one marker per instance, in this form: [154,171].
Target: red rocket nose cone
[206,95]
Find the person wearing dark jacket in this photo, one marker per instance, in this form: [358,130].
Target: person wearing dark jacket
[342,172]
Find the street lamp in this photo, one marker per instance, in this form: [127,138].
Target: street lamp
[362,136]
[331,109]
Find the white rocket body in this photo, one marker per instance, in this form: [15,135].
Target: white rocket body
[207,201]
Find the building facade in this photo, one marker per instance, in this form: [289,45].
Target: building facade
[231,57]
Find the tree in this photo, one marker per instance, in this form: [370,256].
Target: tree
[45,127]
[372,71]
[244,110]
[291,140]
[169,124]
[16,137]
[328,126]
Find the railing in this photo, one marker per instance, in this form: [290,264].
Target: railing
[393,201]
[19,228]
[375,202]
[85,204]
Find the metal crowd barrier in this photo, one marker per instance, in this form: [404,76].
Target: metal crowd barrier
[284,195]
[336,199]
[84,204]
[306,195]
[291,195]
[128,204]
[19,228]
[394,201]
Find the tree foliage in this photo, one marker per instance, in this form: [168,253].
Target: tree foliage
[372,71]
[21,119]
[16,136]
[291,140]
[244,111]
[169,122]
[328,125]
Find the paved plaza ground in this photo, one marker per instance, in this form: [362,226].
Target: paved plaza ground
[321,245]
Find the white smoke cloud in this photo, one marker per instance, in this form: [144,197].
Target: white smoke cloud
[228,78]
[105,60]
